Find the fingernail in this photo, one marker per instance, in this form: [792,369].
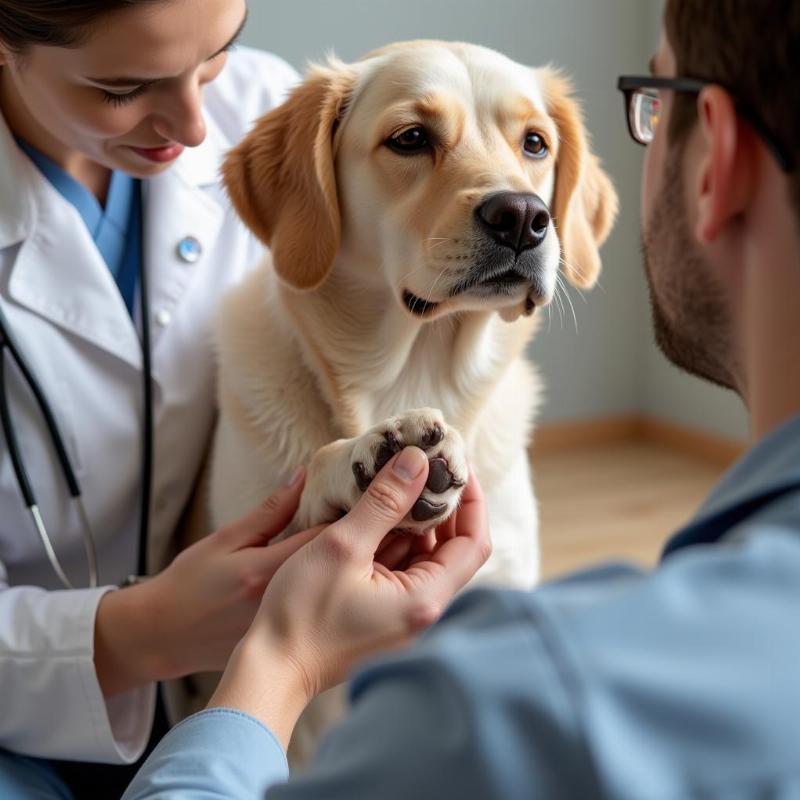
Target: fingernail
[297,476]
[409,463]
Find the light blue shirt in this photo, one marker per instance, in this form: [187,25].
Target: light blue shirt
[682,683]
[115,228]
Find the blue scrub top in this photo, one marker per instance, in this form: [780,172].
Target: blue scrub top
[115,229]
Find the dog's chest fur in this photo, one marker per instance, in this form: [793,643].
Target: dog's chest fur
[294,380]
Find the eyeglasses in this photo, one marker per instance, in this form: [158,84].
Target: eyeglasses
[643,111]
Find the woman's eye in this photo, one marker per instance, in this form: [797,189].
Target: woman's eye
[536,146]
[410,141]
[115,99]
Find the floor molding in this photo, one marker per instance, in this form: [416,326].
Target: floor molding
[698,444]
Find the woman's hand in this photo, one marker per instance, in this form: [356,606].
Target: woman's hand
[351,592]
[189,617]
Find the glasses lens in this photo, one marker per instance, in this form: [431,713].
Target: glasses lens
[645,110]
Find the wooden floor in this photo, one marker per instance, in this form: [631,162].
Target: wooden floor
[614,500]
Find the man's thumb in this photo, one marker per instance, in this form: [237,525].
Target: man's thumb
[388,499]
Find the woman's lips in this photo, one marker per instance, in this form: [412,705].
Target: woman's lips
[160,155]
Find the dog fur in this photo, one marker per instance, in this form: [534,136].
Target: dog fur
[322,353]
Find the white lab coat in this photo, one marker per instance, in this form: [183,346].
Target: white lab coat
[72,325]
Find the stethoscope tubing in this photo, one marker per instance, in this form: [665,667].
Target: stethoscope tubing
[8,342]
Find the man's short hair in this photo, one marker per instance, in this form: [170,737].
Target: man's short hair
[751,47]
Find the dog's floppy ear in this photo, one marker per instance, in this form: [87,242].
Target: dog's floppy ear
[585,203]
[282,182]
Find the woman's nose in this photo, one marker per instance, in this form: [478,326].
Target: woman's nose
[181,118]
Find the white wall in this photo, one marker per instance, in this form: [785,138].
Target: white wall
[607,367]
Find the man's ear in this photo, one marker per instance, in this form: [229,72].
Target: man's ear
[585,201]
[724,183]
[282,182]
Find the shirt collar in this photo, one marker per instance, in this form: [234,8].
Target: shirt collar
[766,471]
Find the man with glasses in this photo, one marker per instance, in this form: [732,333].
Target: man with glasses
[683,682]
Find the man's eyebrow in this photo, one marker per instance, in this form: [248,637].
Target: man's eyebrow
[131,81]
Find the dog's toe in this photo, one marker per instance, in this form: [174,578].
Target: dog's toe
[391,444]
[439,477]
[432,437]
[363,478]
[424,510]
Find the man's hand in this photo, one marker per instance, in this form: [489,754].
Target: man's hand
[351,592]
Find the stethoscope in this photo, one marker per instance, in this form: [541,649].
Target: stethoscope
[9,343]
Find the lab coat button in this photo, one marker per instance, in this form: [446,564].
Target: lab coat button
[189,249]
[163,318]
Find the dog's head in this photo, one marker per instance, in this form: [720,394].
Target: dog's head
[447,172]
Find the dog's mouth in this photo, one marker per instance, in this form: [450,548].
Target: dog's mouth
[418,306]
[500,283]
[506,284]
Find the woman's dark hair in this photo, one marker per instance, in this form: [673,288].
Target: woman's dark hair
[58,23]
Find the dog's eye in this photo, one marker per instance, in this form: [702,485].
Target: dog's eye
[536,146]
[410,141]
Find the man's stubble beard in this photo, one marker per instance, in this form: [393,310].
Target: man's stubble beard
[691,324]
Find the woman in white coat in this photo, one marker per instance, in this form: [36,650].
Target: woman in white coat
[115,117]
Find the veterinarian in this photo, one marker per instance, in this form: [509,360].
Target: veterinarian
[115,117]
[676,683]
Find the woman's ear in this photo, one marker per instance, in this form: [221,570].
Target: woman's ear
[585,203]
[282,182]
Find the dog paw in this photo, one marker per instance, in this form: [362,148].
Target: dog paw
[448,472]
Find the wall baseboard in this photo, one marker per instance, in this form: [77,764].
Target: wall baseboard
[558,435]
[699,444]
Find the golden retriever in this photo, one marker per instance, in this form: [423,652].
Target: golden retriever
[418,205]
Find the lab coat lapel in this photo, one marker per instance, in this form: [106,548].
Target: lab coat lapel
[58,272]
[178,207]
[60,275]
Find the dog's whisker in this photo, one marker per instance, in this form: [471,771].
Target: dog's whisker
[598,283]
[400,285]
[580,292]
[566,292]
[439,242]
[438,277]
[559,306]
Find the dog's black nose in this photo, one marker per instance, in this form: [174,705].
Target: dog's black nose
[515,219]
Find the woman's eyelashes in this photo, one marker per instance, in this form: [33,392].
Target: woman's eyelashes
[121,99]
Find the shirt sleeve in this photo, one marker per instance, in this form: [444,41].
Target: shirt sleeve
[611,683]
[218,753]
[476,710]
[52,704]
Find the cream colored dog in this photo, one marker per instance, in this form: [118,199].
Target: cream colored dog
[418,205]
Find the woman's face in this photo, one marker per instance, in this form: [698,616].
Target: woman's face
[130,96]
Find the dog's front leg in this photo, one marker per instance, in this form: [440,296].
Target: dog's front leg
[341,472]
